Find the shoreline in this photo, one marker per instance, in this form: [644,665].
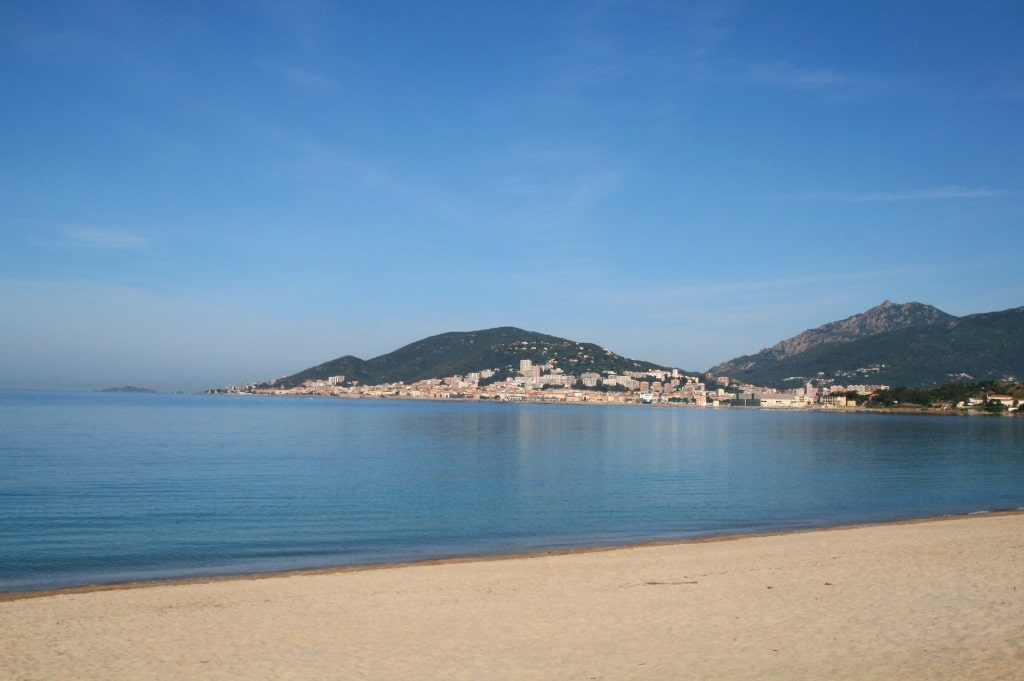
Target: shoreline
[938,598]
[856,409]
[7,596]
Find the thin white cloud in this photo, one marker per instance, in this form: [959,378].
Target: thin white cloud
[937,194]
[1013,92]
[101,238]
[790,75]
[566,182]
[52,42]
[948,193]
[709,293]
[821,80]
[595,283]
[296,76]
[307,24]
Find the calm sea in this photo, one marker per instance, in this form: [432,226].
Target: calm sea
[101,488]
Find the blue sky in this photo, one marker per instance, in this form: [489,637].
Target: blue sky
[194,194]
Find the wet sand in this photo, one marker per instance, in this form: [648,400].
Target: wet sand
[938,599]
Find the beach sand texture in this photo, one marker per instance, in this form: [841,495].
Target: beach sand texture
[939,599]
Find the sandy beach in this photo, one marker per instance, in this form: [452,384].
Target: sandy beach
[940,599]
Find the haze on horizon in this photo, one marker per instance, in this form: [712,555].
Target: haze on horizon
[201,193]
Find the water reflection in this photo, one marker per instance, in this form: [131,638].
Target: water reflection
[98,485]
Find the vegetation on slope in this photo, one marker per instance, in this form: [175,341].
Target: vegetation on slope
[880,319]
[987,346]
[460,353]
[946,396]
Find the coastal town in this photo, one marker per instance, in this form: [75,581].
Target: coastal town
[547,383]
[858,362]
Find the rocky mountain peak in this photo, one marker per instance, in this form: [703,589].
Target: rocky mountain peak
[888,316]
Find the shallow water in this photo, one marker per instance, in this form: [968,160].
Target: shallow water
[99,487]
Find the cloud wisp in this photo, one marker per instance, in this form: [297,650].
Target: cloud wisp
[97,238]
[296,76]
[947,193]
[781,74]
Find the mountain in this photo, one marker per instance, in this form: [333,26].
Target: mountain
[910,345]
[461,353]
[883,318]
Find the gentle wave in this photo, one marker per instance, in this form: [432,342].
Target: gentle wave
[100,488]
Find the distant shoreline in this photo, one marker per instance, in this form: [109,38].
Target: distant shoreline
[906,411]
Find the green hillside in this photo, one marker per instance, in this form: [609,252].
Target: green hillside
[988,346]
[882,318]
[909,344]
[460,353]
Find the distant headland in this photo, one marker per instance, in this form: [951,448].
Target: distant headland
[124,389]
[934,359]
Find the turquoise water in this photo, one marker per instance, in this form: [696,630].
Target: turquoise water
[100,488]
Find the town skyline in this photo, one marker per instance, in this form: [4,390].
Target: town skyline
[548,383]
